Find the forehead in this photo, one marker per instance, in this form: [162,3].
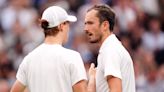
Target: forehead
[91,15]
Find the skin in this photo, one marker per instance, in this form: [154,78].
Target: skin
[65,27]
[18,87]
[96,33]
[92,80]
[92,27]
[61,37]
[90,87]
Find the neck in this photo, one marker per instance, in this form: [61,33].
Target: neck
[105,36]
[53,40]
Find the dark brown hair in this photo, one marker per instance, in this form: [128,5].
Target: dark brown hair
[105,13]
[48,31]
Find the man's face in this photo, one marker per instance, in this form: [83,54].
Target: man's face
[66,27]
[93,27]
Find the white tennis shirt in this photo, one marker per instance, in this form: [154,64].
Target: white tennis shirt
[51,68]
[113,59]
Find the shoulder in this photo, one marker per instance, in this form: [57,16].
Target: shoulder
[70,52]
[29,56]
[26,59]
[112,51]
[69,55]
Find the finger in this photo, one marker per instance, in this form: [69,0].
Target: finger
[92,65]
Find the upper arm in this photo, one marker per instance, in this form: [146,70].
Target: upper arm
[112,64]
[112,71]
[114,83]
[20,83]
[18,87]
[77,70]
[22,72]
[80,86]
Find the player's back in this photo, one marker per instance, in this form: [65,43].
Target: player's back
[50,68]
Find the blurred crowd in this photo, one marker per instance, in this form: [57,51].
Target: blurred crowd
[139,26]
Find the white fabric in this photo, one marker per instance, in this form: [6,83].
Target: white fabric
[114,60]
[51,68]
[55,15]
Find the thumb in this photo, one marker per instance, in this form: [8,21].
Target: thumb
[92,65]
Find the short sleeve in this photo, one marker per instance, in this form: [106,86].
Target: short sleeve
[77,70]
[22,72]
[112,64]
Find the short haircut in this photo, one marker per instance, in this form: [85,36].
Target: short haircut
[49,31]
[105,13]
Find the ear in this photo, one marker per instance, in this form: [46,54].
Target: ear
[105,25]
[60,27]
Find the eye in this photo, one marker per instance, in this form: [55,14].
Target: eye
[89,22]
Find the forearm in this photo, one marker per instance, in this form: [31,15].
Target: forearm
[91,85]
[92,80]
[116,90]
[17,87]
[114,83]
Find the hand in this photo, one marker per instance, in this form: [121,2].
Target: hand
[92,71]
[92,78]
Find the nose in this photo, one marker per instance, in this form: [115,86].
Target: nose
[85,28]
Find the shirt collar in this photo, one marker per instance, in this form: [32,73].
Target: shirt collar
[106,41]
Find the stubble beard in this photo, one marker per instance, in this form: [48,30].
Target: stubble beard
[95,40]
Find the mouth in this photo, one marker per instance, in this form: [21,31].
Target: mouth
[89,34]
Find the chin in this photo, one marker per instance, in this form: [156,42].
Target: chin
[93,41]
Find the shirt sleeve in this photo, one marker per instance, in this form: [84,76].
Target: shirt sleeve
[21,73]
[77,70]
[112,60]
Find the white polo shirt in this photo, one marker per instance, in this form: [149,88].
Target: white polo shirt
[113,59]
[51,68]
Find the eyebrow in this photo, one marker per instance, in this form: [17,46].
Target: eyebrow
[88,22]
